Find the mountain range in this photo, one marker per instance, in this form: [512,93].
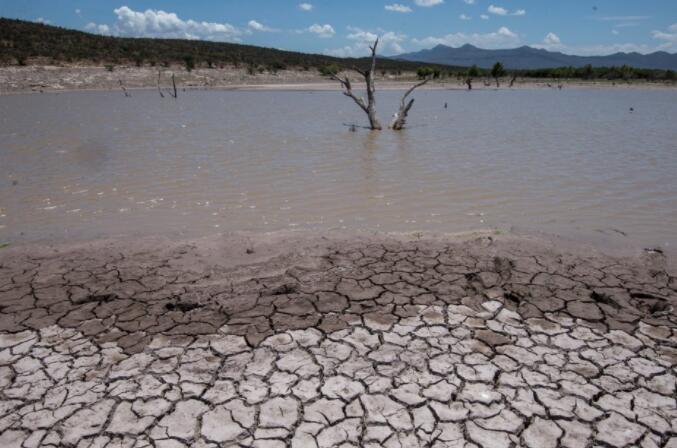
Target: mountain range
[524,58]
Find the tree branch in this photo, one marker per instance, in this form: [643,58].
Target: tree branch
[400,118]
[159,89]
[345,82]
[369,106]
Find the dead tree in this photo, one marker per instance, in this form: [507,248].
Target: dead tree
[512,80]
[369,107]
[400,117]
[173,92]
[174,85]
[159,74]
[468,81]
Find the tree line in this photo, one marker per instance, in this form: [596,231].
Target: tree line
[588,72]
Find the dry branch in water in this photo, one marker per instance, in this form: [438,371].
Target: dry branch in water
[400,118]
[124,90]
[369,107]
[173,92]
[159,74]
[174,85]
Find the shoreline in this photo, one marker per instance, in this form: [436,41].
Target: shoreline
[63,79]
[286,240]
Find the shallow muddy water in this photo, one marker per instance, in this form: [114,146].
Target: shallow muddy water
[84,165]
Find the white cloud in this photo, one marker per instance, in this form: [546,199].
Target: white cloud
[77,11]
[497,10]
[428,3]
[615,32]
[501,38]
[256,26]
[158,23]
[551,42]
[306,7]
[390,42]
[484,17]
[98,29]
[622,18]
[500,11]
[669,38]
[396,7]
[43,21]
[469,2]
[464,17]
[626,25]
[552,39]
[324,31]
[601,50]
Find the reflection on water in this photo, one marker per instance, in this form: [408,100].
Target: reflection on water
[86,165]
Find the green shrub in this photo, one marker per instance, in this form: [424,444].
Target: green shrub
[328,70]
[189,62]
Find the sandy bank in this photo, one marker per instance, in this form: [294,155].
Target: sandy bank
[15,79]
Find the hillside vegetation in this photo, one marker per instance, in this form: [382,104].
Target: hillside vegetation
[22,42]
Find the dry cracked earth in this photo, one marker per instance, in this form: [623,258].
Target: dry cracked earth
[354,343]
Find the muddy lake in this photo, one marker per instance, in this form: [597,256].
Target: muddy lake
[576,162]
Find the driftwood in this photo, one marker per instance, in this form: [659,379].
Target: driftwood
[369,107]
[124,90]
[400,117]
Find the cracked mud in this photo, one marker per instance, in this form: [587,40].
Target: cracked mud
[357,343]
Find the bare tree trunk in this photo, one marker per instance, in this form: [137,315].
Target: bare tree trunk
[174,85]
[124,90]
[497,83]
[369,107]
[468,81]
[159,73]
[401,117]
[512,80]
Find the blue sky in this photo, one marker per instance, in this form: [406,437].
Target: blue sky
[345,27]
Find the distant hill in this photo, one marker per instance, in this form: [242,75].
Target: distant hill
[525,58]
[22,41]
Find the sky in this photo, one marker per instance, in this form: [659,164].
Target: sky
[347,27]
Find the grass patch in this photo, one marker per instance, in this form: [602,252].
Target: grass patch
[3,245]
